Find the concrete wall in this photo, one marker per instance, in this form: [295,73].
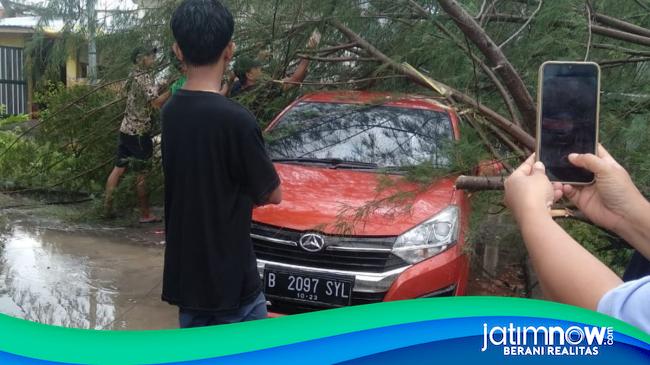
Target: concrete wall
[13,40]
[71,70]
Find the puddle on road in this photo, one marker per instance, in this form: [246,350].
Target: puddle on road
[81,279]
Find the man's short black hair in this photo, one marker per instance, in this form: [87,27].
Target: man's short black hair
[202,29]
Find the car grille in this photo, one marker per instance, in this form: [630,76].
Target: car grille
[360,254]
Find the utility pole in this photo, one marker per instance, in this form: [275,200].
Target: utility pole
[92,46]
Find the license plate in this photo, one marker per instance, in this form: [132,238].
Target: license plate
[298,286]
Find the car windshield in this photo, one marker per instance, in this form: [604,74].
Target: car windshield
[368,135]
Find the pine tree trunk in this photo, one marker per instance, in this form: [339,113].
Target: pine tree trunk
[496,59]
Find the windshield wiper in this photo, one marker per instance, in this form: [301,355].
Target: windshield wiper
[328,161]
[336,163]
[356,165]
[393,169]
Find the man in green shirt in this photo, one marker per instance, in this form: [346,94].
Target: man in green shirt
[180,82]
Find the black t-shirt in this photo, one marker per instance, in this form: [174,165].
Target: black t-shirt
[236,89]
[216,168]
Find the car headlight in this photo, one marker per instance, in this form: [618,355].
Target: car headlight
[429,238]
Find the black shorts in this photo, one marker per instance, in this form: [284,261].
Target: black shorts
[137,149]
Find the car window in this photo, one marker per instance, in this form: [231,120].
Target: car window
[383,135]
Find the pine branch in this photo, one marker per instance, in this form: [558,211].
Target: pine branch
[356,81]
[393,18]
[504,139]
[340,47]
[506,18]
[521,29]
[446,91]
[73,142]
[65,108]
[479,183]
[61,182]
[630,51]
[8,7]
[505,95]
[620,35]
[621,62]
[484,18]
[338,59]
[621,25]
[590,25]
[641,4]
[496,59]
[489,145]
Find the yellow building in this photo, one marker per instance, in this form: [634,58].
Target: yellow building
[16,87]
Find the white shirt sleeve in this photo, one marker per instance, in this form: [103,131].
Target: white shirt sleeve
[629,302]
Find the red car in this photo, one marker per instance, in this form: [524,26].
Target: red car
[351,229]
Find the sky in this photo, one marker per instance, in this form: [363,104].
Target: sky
[101,4]
[103,17]
[116,4]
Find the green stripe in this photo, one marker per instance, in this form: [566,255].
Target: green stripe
[88,346]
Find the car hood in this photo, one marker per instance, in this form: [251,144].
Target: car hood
[352,202]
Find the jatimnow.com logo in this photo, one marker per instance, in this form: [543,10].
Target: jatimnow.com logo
[547,340]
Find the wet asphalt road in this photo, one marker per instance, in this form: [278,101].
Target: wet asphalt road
[83,277]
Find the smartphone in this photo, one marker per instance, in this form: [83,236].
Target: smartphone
[568,101]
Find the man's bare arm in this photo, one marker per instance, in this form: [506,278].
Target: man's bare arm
[297,77]
[161,100]
[301,71]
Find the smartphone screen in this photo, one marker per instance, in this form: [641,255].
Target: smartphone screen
[568,118]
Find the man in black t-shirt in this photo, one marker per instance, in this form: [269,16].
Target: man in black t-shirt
[263,97]
[249,71]
[216,170]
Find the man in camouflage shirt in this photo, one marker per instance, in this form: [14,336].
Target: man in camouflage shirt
[135,145]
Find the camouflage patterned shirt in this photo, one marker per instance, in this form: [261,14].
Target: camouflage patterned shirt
[141,91]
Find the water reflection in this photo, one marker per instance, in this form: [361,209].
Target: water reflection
[48,285]
[80,279]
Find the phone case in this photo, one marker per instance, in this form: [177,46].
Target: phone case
[539,110]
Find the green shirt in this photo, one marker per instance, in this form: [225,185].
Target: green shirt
[178,84]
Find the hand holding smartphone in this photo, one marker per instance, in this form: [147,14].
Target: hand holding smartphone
[568,102]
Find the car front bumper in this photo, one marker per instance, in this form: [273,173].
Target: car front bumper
[365,282]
